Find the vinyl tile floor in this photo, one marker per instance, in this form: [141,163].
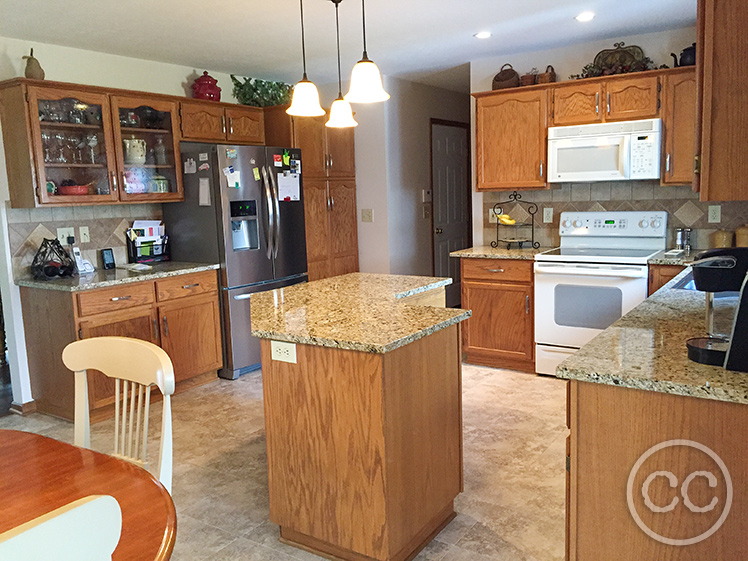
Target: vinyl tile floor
[512,508]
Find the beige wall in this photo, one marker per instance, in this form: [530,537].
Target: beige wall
[566,61]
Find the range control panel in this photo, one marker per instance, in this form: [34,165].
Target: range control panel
[629,224]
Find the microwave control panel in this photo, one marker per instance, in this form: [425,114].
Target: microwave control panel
[652,224]
[645,156]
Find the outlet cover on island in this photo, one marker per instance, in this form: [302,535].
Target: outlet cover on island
[547,214]
[367,215]
[715,214]
[85,237]
[283,352]
[64,233]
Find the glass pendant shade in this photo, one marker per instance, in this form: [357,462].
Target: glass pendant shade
[305,100]
[366,84]
[341,115]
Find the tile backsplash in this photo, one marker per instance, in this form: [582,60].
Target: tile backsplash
[680,202]
[27,227]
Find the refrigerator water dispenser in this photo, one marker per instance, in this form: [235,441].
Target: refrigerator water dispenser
[245,233]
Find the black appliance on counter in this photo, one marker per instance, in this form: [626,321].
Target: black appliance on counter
[720,271]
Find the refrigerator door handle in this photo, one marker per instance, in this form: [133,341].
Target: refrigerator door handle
[242,297]
[270,224]
[276,204]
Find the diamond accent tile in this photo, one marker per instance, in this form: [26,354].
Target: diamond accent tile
[689,214]
[519,214]
[597,207]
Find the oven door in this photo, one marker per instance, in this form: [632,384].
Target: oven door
[576,301]
[590,158]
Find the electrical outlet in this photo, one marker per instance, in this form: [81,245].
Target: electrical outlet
[64,233]
[426,196]
[426,211]
[367,215]
[84,235]
[492,218]
[283,352]
[715,214]
[547,214]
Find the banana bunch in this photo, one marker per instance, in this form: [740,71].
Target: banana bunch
[506,220]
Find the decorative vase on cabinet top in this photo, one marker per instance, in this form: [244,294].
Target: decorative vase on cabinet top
[206,87]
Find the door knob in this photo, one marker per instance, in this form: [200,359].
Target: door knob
[438,230]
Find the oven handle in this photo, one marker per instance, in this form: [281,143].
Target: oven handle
[623,273]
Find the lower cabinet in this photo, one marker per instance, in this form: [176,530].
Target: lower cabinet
[500,294]
[660,275]
[179,313]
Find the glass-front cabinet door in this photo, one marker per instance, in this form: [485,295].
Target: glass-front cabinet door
[147,149]
[72,137]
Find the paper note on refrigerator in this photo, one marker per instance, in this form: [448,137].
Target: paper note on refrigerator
[204,192]
[289,187]
[233,177]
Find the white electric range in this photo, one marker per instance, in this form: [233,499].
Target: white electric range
[598,274]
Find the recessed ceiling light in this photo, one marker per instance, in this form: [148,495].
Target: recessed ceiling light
[585,16]
[482,35]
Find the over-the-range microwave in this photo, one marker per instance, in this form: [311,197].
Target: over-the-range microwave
[605,151]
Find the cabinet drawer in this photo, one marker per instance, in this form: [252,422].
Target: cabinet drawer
[115,298]
[186,285]
[497,269]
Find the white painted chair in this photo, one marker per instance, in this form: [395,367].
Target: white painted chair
[85,530]
[135,365]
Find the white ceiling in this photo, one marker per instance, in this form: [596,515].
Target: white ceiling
[424,40]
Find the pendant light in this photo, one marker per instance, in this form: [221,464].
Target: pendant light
[341,114]
[366,80]
[305,100]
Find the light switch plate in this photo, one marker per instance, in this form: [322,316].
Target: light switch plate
[283,352]
[64,233]
[85,237]
[426,196]
[367,215]
[715,214]
[547,214]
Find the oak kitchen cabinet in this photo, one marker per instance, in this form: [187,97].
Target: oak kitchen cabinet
[500,332]
[329,171]
[600,100]
[221,122]
[679,124]
[511,138]
[722,124]
[660,275]
[179,313]
[56,132]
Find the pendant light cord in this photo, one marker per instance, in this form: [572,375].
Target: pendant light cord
[363,20]
[337,34]
[303,45]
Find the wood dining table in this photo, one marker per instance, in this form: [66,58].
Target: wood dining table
[39,474]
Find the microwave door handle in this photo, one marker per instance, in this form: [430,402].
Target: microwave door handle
[625,156]
[624,273]
[270,222]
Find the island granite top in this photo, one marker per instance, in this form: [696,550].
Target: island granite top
[488,252]
[646,350]
[102,278]
[357,311]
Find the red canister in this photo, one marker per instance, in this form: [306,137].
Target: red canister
[206,87]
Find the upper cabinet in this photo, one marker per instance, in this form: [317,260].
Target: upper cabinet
[511,139]
[619,98]
[210,121]
[722,126]
[679,126]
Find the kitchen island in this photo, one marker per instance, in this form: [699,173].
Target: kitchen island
[362,392]
[657,447]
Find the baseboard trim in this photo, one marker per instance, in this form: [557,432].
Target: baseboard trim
[23,408]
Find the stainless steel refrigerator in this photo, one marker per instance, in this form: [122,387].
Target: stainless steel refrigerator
[243,208]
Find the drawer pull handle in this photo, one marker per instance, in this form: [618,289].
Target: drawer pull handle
[495,270]
[118,298]
[188,286]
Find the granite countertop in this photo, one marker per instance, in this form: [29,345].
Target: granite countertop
[488,252]
[102,278]
[646,350]
[358,311]
[685,260]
